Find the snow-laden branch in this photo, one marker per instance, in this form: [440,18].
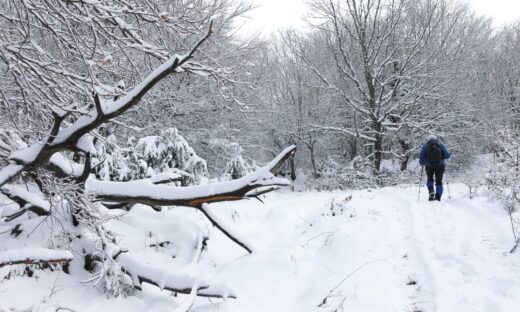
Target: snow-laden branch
[8,172]
[64,167]
[234,236]
[141,272]
[192,196]
[148,193]
[68,138]
[26,200]
[35,256]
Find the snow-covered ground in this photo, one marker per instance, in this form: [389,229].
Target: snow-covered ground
[369,250]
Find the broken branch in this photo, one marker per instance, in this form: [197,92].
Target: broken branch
[193,196]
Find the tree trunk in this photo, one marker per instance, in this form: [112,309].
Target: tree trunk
[353,148]
[405,149]
[313,160]
[293,168]
[377,147]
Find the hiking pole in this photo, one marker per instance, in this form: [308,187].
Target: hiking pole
[447,185]
[420,182]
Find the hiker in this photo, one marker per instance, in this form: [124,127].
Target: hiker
[432,156]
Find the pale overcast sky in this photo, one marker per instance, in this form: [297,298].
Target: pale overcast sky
[275,14]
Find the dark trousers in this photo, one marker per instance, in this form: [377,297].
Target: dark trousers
[438,172]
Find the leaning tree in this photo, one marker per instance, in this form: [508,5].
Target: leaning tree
[70,67]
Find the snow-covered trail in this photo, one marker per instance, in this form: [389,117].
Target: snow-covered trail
[468,267]
[368,250]
[386,251]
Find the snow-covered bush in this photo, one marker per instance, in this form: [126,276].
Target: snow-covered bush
[237,167]
[503,179]
[357,174]
[108,161]
[165,154]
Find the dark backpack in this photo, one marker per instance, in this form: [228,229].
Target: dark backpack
[434,154]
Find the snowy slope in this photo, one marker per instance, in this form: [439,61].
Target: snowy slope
[378,250]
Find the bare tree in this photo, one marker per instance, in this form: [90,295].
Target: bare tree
[388,66]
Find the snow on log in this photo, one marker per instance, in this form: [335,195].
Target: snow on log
[145,273]
[192,196]
[35,256]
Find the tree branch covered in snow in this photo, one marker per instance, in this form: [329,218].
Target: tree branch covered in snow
[250,186]
[164,279]
[35,256]
[67,66]
[26,200]
[66,138]
[193,196]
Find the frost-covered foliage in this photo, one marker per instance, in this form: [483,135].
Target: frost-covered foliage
[9,141]
[167,153]
[237,167]
[357,174]
[503,179]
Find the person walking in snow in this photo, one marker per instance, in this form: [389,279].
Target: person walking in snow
[433,156]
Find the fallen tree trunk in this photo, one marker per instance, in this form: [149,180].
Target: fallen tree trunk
[249,186]
[261,181]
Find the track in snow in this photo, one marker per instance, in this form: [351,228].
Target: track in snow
[385,252]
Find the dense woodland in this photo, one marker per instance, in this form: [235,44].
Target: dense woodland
[108,104]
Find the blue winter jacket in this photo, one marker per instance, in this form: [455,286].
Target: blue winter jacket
[422,157]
